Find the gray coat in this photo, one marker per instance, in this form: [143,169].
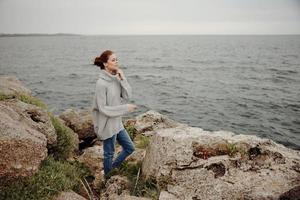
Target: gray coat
[107,109]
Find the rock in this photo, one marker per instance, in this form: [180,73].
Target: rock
[34,117]
[137,156]
[93,158]
[116,185]
[292,194]
[68,195]
[151,121]
[80,122]
[164,195]
[25,131]
[190,163]
[10,85]
[126,197]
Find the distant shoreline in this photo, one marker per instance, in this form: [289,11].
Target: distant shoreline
[73,34]
[36,34]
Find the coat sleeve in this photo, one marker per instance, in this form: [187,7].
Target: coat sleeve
[109,111]
[126,90]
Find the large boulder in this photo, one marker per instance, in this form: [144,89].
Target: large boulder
[190,163]
[80,122]
[25,131]
[32,116]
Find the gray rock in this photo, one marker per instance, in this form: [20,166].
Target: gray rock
[92,157]
[151,121]
[115,186]
[164,195]
[190,163]
[25,131]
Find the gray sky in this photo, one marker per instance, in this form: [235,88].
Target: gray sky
[150,16]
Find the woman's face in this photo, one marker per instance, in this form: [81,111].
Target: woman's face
[112,62]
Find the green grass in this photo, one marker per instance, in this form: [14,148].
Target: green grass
[24,98]
[141,141]
[222,148]
[31,100]
[132,132]
[53,176]
[4,96]
[65,140]
[232,149]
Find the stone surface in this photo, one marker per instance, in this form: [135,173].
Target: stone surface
[151,121]
[190,163]
[68,195]
[164,195]
[115,186]
[33,116]
[79,121]
[24,132]
[126,197]
[93,158]
[137,156]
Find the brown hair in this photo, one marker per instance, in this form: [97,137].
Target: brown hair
[103,58]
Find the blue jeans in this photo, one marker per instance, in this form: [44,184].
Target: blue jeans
[109,150]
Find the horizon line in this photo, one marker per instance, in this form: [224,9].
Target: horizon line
[153,34]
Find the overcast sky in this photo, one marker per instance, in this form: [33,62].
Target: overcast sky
[150,16]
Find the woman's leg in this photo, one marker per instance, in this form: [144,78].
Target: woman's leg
[127,147]
[108,153]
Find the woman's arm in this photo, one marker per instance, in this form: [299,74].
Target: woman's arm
[110,111]
[126,90]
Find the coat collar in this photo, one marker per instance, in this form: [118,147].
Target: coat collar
[107,76]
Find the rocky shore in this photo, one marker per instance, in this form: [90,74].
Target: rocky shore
[43,156]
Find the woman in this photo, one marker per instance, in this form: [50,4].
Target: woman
[107,110]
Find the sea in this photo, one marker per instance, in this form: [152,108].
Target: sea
[246,84]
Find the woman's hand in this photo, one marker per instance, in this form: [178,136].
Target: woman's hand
[120,74]
[131,107]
